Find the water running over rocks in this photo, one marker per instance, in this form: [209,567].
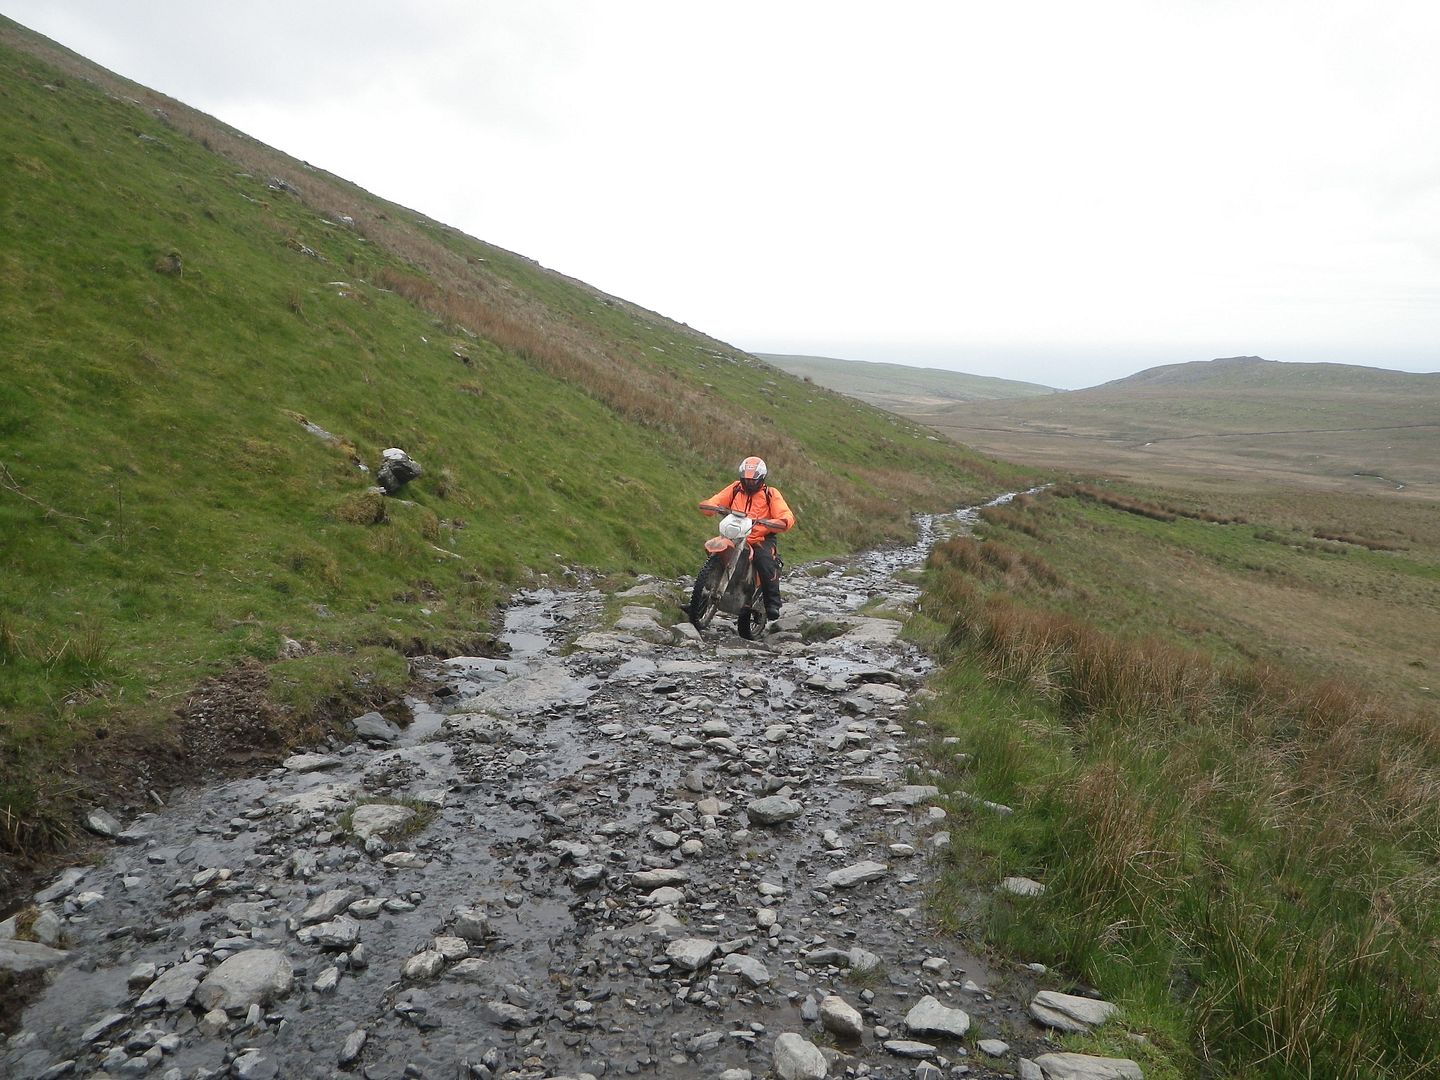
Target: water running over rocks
[618,851]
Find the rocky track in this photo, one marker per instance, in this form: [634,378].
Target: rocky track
[624,850]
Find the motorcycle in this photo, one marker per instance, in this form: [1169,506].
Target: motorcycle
[730,581]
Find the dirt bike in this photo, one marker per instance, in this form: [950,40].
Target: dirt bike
[730,581]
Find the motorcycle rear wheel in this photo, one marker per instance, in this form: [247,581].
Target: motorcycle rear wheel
[705,597]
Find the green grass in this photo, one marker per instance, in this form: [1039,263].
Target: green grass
[1240,852]
[425,813]
[169,321]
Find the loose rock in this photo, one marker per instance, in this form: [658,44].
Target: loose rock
[929,1017]
[1085,1067]
[796,1058]
[850,876]
[250,978]
[1068,1013]
[841,1018]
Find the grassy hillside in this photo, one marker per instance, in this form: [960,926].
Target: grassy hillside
[1340,427]
[902,389]
[1216,719]
[205,347]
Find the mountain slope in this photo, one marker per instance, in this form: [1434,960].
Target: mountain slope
[1330,425]
[204,342]
[901,389]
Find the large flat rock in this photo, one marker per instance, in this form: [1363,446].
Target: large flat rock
[543,688]
[1086,1067]
[22,957]
[850,876]
[1068,1013]
[929,1017]
[257,977]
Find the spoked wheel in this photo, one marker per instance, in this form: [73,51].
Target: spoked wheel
[752,623]
[705,597]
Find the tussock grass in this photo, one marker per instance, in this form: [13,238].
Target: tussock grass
[1251,850]
[1143,507]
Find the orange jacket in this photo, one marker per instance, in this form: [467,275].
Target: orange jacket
[765,503]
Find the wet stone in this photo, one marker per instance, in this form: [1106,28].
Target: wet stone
[773,810]
[850,876]
[253,1065]
[142,974]
[307,763]
[472,923]
[506,1015]
[587,876]
[909,1048]
[379,819]
[691,954]
[654,879]
[353,1045]
[174,987]
[100,1027]
[339,933]
[748,968]
[249,978]
[328,905]
[841,1018]
[796,1058]
[327,981]
[929,1017]
[423,966]
[368,908]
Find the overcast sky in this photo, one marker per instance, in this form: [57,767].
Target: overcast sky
[1053,191]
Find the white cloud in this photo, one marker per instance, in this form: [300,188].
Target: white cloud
[1041,183]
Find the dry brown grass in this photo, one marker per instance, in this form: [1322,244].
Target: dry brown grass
[1274,835]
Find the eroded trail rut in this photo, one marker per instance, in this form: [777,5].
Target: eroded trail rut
[636,853]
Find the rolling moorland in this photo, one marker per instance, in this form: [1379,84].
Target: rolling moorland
[206,347]
[900,389]
[1226,422]
[1204,681]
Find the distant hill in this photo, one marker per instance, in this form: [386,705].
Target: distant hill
[1235,417]
[1254,372]
[899,388]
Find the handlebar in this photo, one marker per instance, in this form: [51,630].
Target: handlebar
[778,526]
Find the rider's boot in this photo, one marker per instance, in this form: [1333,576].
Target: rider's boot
[771,592]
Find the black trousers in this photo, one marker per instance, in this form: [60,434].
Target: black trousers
[767,560]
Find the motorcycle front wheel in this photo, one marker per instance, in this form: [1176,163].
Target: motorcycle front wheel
[751,623]
[705,597]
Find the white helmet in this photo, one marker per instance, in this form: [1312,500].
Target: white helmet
[752,474]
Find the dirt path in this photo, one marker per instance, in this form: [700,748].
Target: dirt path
[622,851]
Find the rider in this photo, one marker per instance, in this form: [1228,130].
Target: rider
[751,496]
